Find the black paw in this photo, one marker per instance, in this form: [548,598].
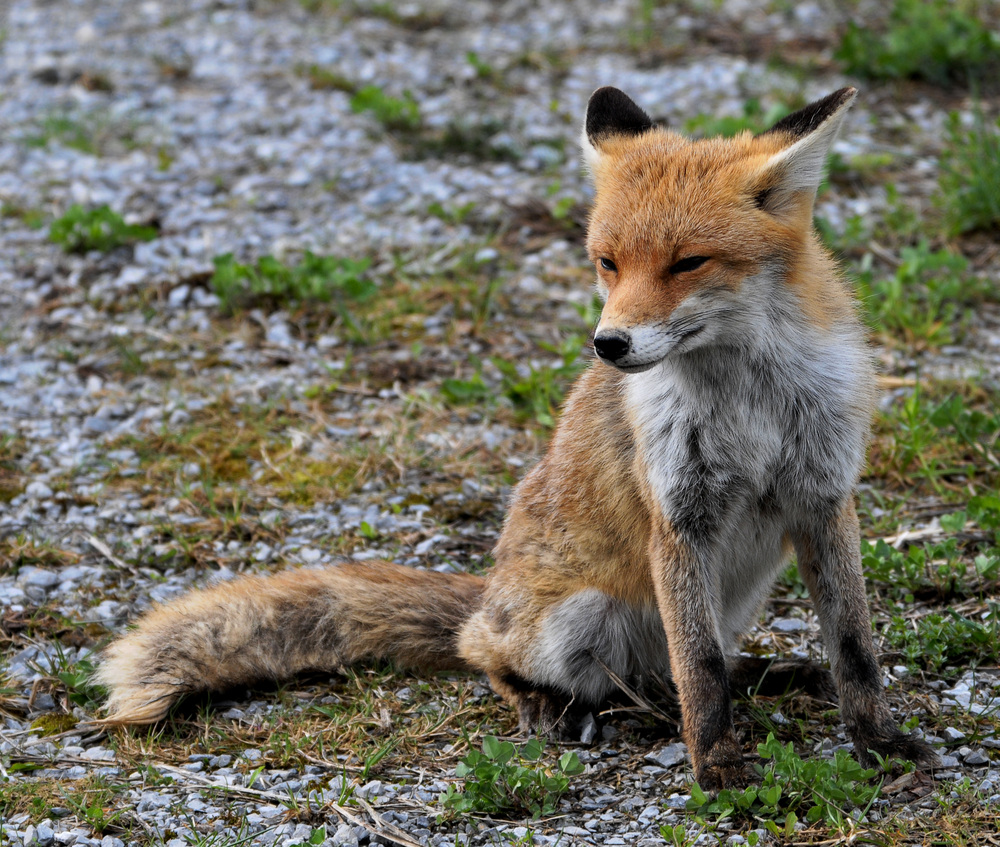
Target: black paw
[774,677]
[714,777]
[818,682]
[724,767]
[546,714]
[895,745]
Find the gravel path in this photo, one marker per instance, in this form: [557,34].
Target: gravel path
[226,125]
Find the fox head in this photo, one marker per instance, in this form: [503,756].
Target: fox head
[691,239]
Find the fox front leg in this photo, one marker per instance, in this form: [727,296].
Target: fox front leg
[829,559]
[697,662]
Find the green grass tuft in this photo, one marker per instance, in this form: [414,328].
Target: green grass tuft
[927,301]
[533,392]
[81,230]
[969,181]
[392,112]
[322,279]
[934,40]
[754,118]
[945,642]
[504,779]
[824,790]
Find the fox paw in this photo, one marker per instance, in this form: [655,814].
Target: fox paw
[894,745]
[774,677]
[817,681]
[724,767]
[713,777]
[542,713]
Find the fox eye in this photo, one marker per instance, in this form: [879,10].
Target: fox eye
[691,263]
[608,265]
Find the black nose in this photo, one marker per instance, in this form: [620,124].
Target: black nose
[612,346]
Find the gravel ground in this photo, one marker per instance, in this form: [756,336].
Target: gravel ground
[204,119]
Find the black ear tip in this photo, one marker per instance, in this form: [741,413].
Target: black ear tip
[810,117]
[605,95]
[841,96]
[611,111]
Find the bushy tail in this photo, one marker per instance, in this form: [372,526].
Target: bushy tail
[270,628]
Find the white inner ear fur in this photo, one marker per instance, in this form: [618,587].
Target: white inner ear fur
[591,155]
[801,165]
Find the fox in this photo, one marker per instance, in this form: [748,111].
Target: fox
[722,427]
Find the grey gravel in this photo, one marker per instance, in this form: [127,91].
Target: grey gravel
[211,131]
[669,756]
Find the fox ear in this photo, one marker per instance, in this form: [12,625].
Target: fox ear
[798,168]
[610,112]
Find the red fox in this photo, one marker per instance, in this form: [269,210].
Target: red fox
[723,428]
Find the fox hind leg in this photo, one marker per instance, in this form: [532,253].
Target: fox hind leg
[540,710]
[556,672]
[772,677]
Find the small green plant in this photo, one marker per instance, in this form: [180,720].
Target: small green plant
[534,392]
[455,215]
[371,760]
[314,7]
[67,131]
[31,218]
[942,569]
[925,302]
[325,78]
[505,779]
[392,112]
[945,443]
[466,392]
[537,394]
[80,230]
[902,222]
[984,512]
[470,136]
[77,678]
[855,235]
[95,803]
[644,33]
[945,642]
[790,581]
[824,790]
[12,480]
[231,836]
[935,40]
[323,279]
[676,835]
[923,570]
[316,837]
[483,69]
[969,180]
[97,817]
[22,796]
[977,429]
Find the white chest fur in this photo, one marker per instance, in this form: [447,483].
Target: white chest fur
[742,443]
[794,413]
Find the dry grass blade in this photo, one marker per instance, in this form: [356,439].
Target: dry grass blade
[105,551]
[632,694]
[384,828]
[380,827]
